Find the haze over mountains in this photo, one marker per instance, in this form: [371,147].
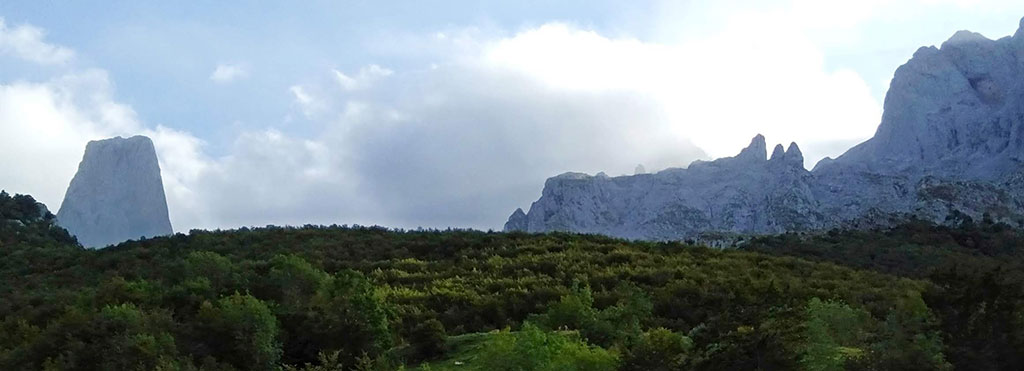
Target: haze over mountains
[949,147]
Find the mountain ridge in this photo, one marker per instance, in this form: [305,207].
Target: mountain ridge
[948,147]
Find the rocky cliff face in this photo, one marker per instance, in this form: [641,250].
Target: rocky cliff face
[949,146]
[117,194]
[955,111]
[745,193]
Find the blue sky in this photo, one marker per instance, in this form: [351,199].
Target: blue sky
[161,54]
[448,113]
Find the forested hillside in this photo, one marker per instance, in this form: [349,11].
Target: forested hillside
[368,298]
[976,273]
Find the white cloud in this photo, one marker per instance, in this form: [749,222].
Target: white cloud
[455,147]
[464,143]
[756,77]
[46,126]
[475,132]
[308,104]
[301,97]
[26,42]
[266,177]
[226,73]
[366,76]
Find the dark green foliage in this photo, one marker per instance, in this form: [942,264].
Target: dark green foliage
[836,336]
[535,349]
[240,330]
[22,208]
[615,326]
[325,362]
[291,279]
[428,340]
[659,349]
[25,221]
[218,270]
[975,295]
[981,313]
[347,314]
[915,249]
[909,339]
[328,298]
[116,337]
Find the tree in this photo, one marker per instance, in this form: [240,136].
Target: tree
[658,350]
[428,339]
[348,315]
[216,268]
[910,340]
[241,330]
[117,337]
[615,325]
[534,349]
[292,279]
[574,311]
[835,334]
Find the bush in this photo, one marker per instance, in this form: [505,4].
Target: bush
[616,325]
[428,340]
[658,349]
[349,316]
[835,335]
[534,349]
[241,330]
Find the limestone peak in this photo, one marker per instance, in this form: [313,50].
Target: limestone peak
[756,151]
[117,194]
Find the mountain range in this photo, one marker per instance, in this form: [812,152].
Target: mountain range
[948,149]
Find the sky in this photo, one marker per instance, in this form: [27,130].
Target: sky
[445,113]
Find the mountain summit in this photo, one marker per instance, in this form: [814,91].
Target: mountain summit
[117,194]
[957,110]
[949,148]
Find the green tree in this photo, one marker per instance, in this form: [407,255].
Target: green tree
[117,337]
[325,362]
[214,267]
[348,315]
[835,333]
[659,349]
[292,279]
[241,330]
[534,349]
[136,340]
[616,325]
[428,339]
[574,311]
[910,340]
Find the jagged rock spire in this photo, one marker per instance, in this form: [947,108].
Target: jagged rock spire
[793,154]
[777,153]
[517,221]
[756,151]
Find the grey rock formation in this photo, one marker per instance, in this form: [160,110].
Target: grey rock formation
[950,146]
[117,194]
[517,221]
[777,153]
